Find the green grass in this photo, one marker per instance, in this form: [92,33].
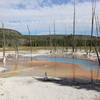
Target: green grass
[26,48]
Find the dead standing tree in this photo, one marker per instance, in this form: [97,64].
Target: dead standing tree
[96,45]
[92,24]
[97,31]
[55,49]
[30,43]
[54,38]
[50,40]
[15,41]
[73,45]
[74,22]
[92,30]
[4,56]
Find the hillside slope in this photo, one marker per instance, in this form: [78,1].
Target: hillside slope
[14,37]
[11,36]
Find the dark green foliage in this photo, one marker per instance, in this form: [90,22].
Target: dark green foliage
[13,37]
[60,40]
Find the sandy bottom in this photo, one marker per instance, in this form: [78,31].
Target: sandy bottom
[28,88]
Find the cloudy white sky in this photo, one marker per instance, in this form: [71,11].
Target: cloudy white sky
[39,14]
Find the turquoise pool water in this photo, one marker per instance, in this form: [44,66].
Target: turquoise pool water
[86,64]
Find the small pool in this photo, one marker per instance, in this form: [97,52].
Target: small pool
[86,64]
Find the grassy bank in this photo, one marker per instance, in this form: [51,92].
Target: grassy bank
[27,48]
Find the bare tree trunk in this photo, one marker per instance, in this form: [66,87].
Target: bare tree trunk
[74,27]
[92,25]
[85,46]
[4,57]
[55,45]
[65,39]
[92,29]
[74,41]
[97,55]
[97,39]
[50,42]
[54,38]
[97,31]
[98,60]
[30,41]
[17,53]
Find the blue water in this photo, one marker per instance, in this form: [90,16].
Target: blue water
[86,64]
